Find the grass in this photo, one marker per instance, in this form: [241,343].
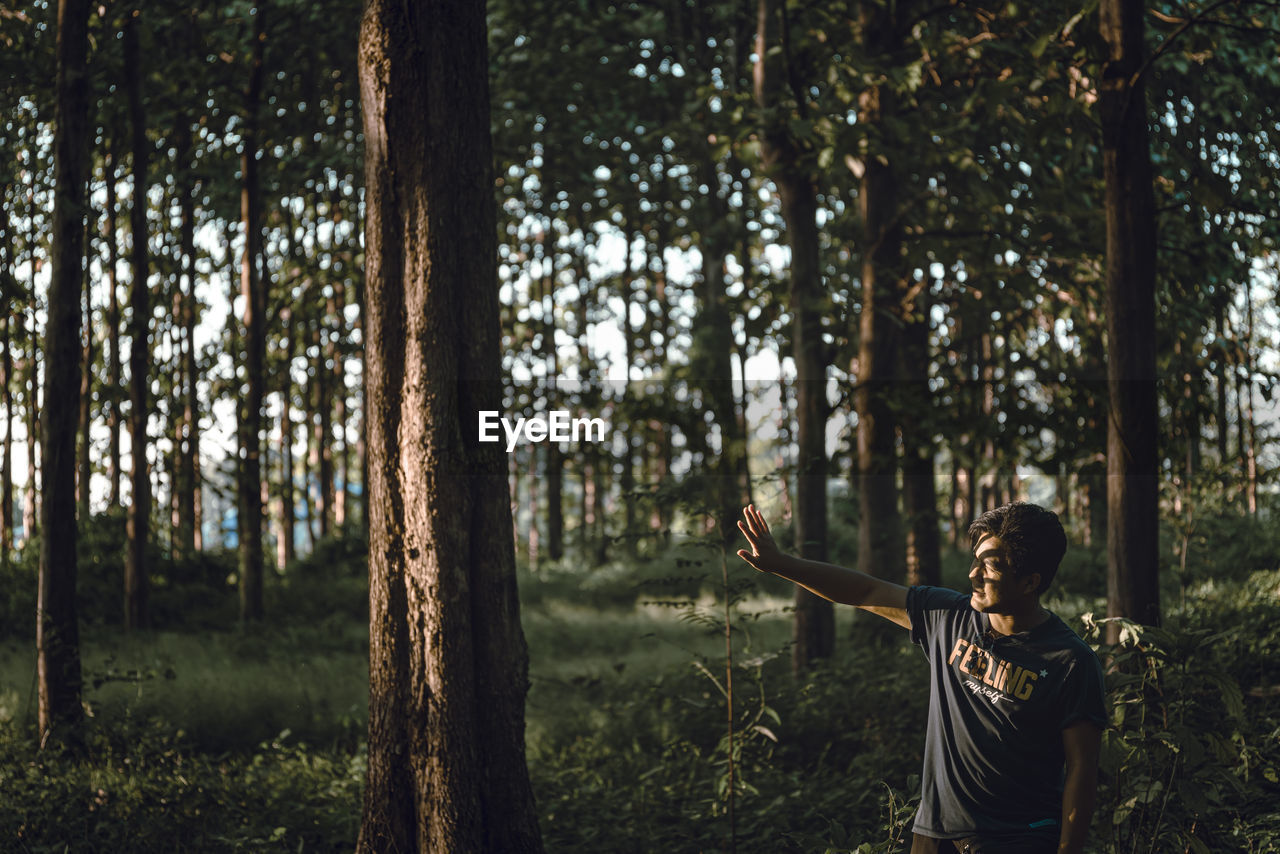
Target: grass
[218,739]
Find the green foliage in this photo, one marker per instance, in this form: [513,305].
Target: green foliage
[1188,763]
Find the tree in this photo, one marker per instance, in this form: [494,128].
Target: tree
[251,289]
[783,159]
[447,657]
[135,572]
[57,630]
[1132,429]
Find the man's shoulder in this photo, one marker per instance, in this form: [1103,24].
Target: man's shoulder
[1063,638]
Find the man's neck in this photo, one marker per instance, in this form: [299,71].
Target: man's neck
[1023,620]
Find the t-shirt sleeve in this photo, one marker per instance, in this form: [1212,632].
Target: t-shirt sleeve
[1084,695]
[926,607]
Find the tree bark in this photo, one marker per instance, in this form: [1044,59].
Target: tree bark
[883,285]
[57,627]
[447,658]
[814,627]
[1132,434]
[919,492]
[135,572]
[251,291]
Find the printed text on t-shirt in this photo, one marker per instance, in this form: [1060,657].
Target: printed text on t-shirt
[1011,680]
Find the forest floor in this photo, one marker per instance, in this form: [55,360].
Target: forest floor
[204,738]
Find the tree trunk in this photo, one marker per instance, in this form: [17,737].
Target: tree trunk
[288,546]
[919,493]
[6,451]
[879,552]
[814,628]
[135,572]
[57,627]
[31,495]
[1248,428]
[1220,383]
[112,395]
[84,464]
[251,291]
[448,661]
[1132,434]
[189,438]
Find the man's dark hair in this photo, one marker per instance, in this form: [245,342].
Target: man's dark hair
[1032,537]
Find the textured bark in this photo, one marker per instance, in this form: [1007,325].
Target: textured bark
[57,631]
[135,571]
[814,627]
[448,663]
[1132,545]
[879,551]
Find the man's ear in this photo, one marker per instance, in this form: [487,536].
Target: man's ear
[1030,583]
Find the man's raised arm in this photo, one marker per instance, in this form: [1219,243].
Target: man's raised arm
[837,583]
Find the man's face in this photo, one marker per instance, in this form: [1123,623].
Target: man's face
[996,589]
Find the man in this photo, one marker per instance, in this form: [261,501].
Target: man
[1015,698]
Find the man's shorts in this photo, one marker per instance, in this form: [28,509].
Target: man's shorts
[1038,843]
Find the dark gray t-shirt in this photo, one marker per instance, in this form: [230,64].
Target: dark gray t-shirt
[993,761]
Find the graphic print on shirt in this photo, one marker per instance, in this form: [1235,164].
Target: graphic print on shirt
[993,678]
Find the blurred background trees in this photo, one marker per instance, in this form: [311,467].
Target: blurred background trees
[790,253]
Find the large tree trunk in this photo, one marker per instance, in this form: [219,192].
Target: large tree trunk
[448,663]
[879,550]
[814,627]
[135,572]
[57,628]
[251,290]
[1132,437]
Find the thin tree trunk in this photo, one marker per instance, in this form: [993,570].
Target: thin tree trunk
[1132,434]
[189,439]
[6,452]
[112,396]
[135,573]
[919,493]
[84,465]
[31,495]
[288,553]
[814,627]
[252,291]
[57,626]
[448,663]
[1248,427]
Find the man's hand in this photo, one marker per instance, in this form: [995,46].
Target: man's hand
[764,552]
[847,586]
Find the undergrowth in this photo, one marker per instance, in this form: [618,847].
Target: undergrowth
[207,737]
